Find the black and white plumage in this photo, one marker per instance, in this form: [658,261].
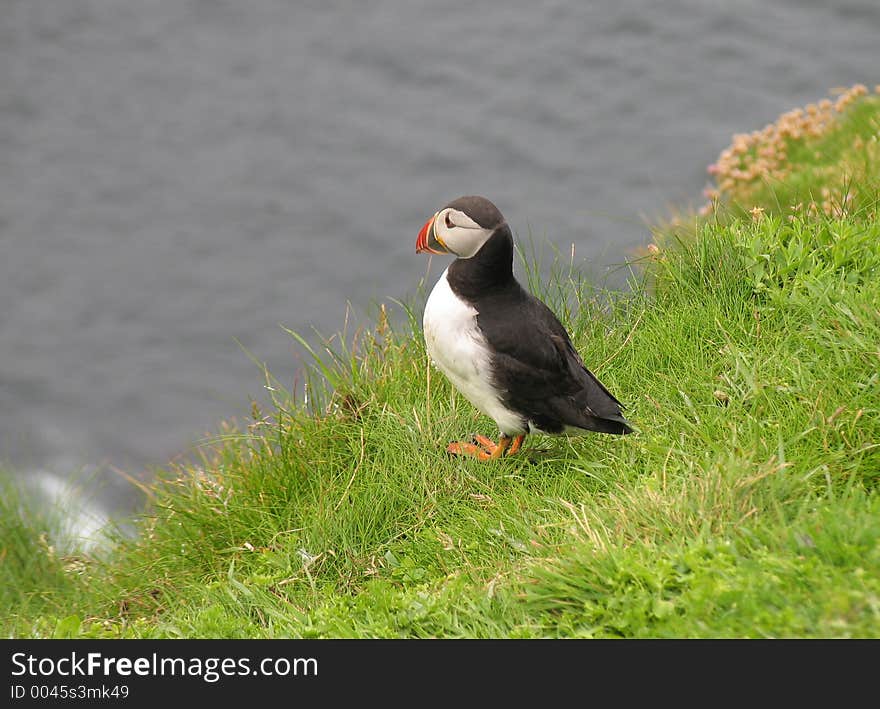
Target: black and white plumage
[501,347]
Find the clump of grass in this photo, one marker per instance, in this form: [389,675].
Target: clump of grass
[814,576]
[39,572]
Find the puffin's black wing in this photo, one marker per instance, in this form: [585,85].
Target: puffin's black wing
[538,370]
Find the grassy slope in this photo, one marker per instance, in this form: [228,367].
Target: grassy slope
[745,506]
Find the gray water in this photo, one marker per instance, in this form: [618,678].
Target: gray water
[179,179]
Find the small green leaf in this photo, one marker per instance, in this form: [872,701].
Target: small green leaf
[663,608]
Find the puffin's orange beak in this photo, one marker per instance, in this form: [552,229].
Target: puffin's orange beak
[428,241]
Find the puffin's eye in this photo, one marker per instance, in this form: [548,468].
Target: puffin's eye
[448,220]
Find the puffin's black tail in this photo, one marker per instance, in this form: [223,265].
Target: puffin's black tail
[613,424]
[599,409]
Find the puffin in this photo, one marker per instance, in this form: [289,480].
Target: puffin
[499,345]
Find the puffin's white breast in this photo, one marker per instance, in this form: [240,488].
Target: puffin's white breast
[459,350]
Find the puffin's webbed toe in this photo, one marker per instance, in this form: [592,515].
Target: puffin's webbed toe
[484,448]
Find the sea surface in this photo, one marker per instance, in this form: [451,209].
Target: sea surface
[180,180]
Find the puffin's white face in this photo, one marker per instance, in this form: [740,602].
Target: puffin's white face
[452,231]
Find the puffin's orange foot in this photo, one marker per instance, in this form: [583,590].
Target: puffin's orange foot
[516,444]
[485,448]
[468,449]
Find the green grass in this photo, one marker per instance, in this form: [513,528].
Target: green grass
[745,506]
[36,575]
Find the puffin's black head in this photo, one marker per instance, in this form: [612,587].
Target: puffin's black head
[460,228]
